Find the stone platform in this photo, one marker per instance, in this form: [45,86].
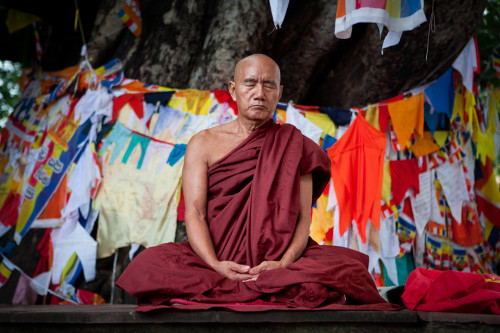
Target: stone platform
[123,318]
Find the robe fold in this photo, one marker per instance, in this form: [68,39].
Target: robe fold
[252,209]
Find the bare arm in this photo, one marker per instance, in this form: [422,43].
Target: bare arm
[195,188]
[301,233]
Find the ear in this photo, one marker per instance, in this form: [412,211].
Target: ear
[281,92]
[232,88]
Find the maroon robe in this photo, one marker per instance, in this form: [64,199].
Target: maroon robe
[253,207]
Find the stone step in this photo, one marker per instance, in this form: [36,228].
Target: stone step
[123,318]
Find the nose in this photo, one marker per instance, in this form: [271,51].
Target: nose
[259,93]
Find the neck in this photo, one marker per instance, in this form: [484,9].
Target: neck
[246,126]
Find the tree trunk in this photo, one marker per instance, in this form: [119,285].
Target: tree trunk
[195,44]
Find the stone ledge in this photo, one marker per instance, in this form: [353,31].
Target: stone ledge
[123,318]
[110,314]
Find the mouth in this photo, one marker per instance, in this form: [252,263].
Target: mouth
[260,107]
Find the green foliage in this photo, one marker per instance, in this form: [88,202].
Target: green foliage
[488,40]
[9,88]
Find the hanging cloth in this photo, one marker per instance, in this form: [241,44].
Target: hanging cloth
[278,10]
[397,16]
[359,188]
[407,115]
[404,174]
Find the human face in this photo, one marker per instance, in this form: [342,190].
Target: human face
[256,88]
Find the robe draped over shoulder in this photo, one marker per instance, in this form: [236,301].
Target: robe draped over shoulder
[252,209]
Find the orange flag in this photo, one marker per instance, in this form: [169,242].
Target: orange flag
[424,145]
[357,168]
[407,115]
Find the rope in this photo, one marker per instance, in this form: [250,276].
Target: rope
[14,266]
[113,278]
[78,18]
[432,28]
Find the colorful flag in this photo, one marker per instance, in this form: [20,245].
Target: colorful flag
[496,62]
[65,140]
[446,256]
[17,20]
[436,229]
[460,260]
[468,63]
[441,93]
[390,209]
[434,252]
[437,158]
[406,228]
[406,234]
[396,15]
[38,46]
[6,268]
[130,14]
[407,116]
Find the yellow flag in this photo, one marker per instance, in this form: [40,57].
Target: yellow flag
[17,20]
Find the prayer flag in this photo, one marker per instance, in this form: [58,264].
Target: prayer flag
[496,62]
[467,63]
[66,140]
[130,14]
[88,297]
[278,10]
[359,192]
[17,20]
[396,15]
[406,234]
[6,268]
[407,115]
[434,252]
[436,229]
[446,256]
[460,260]
[38,46]
[490,210]
[441,93]
[491,232]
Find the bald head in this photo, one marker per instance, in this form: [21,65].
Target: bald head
[256,88]
[256,60]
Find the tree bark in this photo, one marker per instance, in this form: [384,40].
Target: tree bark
[196,43]
[359,74]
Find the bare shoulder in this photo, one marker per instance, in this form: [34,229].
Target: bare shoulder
[197,141]
[206,143]
[214,143]
[197,147]
[206,138]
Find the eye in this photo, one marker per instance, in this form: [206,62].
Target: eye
[249,83]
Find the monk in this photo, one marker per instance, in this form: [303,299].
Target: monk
[249,186]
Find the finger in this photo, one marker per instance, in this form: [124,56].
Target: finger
[243,277]
[239,268]
[252,279]
[258,269]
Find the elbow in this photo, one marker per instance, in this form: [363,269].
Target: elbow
[194,216]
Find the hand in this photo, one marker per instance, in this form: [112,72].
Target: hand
[264,266]
[233,271]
